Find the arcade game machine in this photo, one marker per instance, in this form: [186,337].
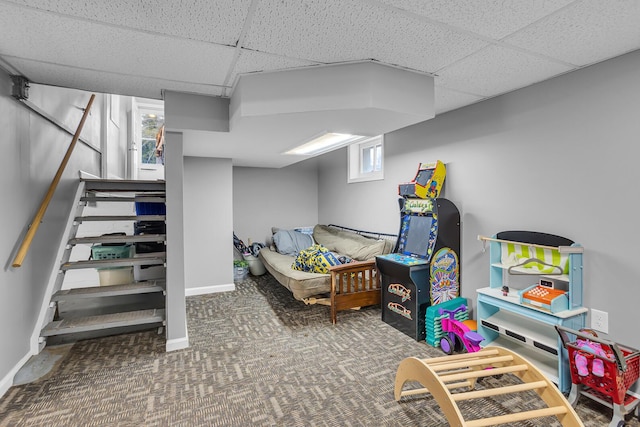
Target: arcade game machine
[424,268]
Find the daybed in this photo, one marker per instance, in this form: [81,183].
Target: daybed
[349,285]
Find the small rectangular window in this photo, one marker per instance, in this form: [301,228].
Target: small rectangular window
[366,160]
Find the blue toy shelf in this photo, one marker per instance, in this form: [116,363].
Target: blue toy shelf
[504,320]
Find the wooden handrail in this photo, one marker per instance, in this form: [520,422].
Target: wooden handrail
[33,227]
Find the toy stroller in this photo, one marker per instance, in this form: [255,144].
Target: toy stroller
[603,371]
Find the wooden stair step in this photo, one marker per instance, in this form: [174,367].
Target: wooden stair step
[119,239]
[150,286]
[154,258]
[105,321]
[111,218]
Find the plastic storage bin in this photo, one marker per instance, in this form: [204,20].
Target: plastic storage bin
[240,273]
[150,208]
[110,251]
[150,247]
[149,272]
[149,227]
[115,276]
[255,265]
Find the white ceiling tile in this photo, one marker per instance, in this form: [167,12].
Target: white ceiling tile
[251,61]
[589,31]
[447,99]
[93,81]
[497,70]
[336,31]
[490,18]
[74,43]
[216,22]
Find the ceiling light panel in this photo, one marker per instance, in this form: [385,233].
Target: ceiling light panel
[335,30]
[497,70]
[192,19]
[73,43]
[324,143]
[586,32]
[490,18]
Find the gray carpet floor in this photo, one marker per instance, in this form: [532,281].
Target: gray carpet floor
[257,358]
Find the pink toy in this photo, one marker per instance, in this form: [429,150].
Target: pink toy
[621,367]
[597,365]
[459,337]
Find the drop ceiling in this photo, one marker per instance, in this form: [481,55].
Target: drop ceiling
[474,50]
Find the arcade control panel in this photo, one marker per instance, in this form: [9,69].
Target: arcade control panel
[404,259]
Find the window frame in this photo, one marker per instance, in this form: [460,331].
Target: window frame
[355,156]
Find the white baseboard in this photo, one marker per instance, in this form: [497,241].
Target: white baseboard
[189,292]
[177,344]
[7,381]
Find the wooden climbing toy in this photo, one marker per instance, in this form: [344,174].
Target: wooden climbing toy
[440,376]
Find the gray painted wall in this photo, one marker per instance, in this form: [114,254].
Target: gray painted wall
[32,150]
[208,222]
[557,157]
[265,198]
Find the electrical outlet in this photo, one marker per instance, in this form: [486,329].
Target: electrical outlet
[600,321]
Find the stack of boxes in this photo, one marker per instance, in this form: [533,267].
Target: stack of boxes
[149,272]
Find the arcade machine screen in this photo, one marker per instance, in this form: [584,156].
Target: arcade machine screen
[417,237]
[424,176]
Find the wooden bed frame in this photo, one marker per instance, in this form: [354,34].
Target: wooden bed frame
[356,284]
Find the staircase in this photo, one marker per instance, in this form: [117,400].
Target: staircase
[115,304]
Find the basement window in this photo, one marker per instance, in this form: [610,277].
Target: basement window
[366,160]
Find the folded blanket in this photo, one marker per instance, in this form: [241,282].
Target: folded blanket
[316,259]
